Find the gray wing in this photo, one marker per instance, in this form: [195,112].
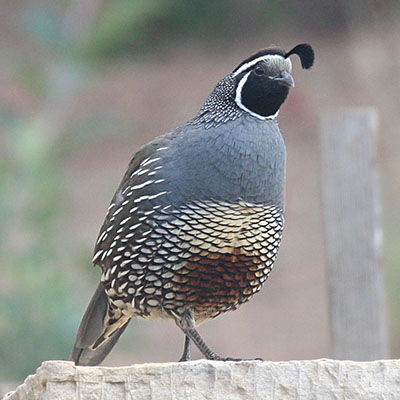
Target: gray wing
[135,197]
[102,323]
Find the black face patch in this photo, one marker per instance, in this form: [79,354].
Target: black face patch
[261,94]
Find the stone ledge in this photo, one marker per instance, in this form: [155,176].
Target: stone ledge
[203,379]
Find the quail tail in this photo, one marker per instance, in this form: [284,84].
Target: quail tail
[97,335]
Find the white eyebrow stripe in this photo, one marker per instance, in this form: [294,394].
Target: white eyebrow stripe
[255,61]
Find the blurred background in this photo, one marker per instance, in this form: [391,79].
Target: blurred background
[84,83]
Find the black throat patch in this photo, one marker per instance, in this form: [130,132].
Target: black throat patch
[261,95]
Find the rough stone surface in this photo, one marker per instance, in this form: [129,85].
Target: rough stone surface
[203,380]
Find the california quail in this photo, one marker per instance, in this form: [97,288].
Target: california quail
[195,225]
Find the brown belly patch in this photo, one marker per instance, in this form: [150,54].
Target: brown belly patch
[213,283]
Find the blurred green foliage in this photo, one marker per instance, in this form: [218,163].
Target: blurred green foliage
[125,27]
[35,290]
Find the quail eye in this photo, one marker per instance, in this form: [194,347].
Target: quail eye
[259,70]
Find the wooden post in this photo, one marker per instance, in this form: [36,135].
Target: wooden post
[353,236]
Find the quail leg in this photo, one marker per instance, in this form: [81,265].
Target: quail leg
[201,344]
[186,323]
[186,356]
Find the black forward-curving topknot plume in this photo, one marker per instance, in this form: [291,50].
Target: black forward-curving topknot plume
[306,54]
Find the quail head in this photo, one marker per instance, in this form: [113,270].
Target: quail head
[194,227]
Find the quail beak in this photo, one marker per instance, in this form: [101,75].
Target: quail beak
[285,79]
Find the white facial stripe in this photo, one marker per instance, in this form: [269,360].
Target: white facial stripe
[238,97]
[238,100]
[273,58]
